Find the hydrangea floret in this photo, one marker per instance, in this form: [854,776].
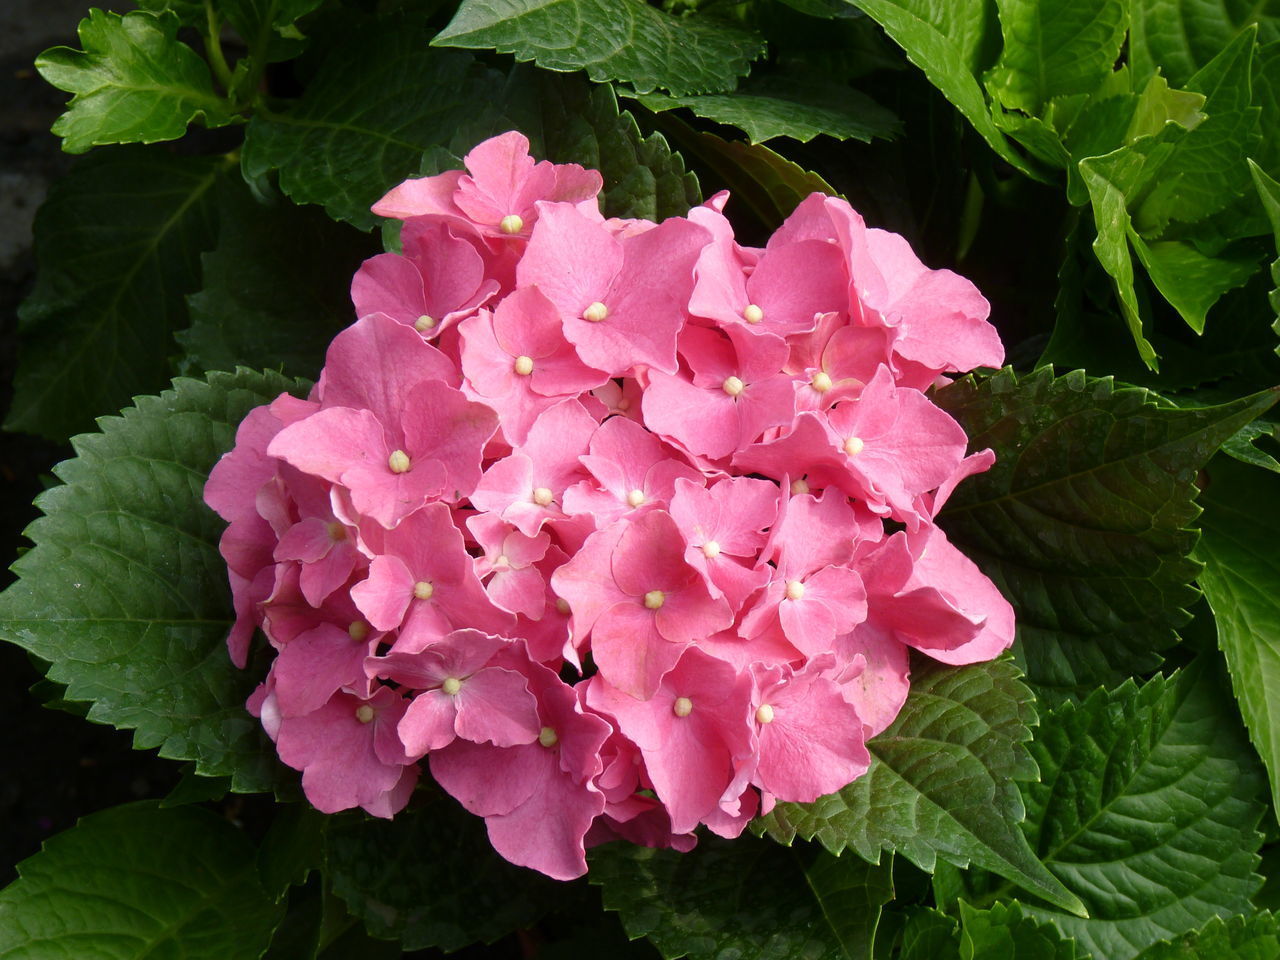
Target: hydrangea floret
[621,528]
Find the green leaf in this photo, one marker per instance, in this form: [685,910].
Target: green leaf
[930,935]
[1241,580]
[1189,280]
[1147,808]
[1242,445]
[125,594]
[744,898]
[193,788]
[1111,245]
[118,245]
[1084,521]
[1005,933]
[1269,193]
[1253,937]
[767,183]
[1178,37]
[139,881]
[133,82]
[942,781]
[275,288]
[1205,169]
[430,877]
[291,849]
[945,41]
[624,40]
[375,105]
[789,106]
[1054,48]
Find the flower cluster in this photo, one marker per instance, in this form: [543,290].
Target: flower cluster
[591,514]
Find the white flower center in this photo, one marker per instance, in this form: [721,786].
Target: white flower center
[654,599]
[524,365]
[711,549]
[635,498]
[502,562]
[764,713]
[547,737]
[511,223]
[451,685]
[424,323]
[364,713]
[596,312]
[424,590]
[795,589]
[682,707]
[799,486]
[821,382]
[543,496]
[733,386]
[399,462]
[853,446]
[358,631]
[752,314]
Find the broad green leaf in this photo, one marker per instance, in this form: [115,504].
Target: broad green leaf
[1178,37]
[292,848]
[1241,580]
[1252,937]
[930,935]
[1146,808]
[430,878]
[1266,96]
[1085,520]
[1004,933]
[376,103]
[134,82]
[745,898]
[1205,169]
[136,882]
[767,183]
[193,788]
[789,107]
[269,25]
[942,781]
[1054,48]
[275,288]
[1189,280]
[1269,192]
[624,40]
[118,245]
[945,40]
[125,594]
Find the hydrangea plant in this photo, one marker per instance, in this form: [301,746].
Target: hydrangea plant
[574,502]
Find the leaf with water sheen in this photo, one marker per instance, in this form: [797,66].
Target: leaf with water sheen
[1085,521]
[125,594]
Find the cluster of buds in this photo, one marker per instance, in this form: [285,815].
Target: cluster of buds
[590,514]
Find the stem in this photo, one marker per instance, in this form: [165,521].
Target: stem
[213,46]
[257,56]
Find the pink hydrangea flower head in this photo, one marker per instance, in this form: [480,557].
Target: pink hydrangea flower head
[620,528]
